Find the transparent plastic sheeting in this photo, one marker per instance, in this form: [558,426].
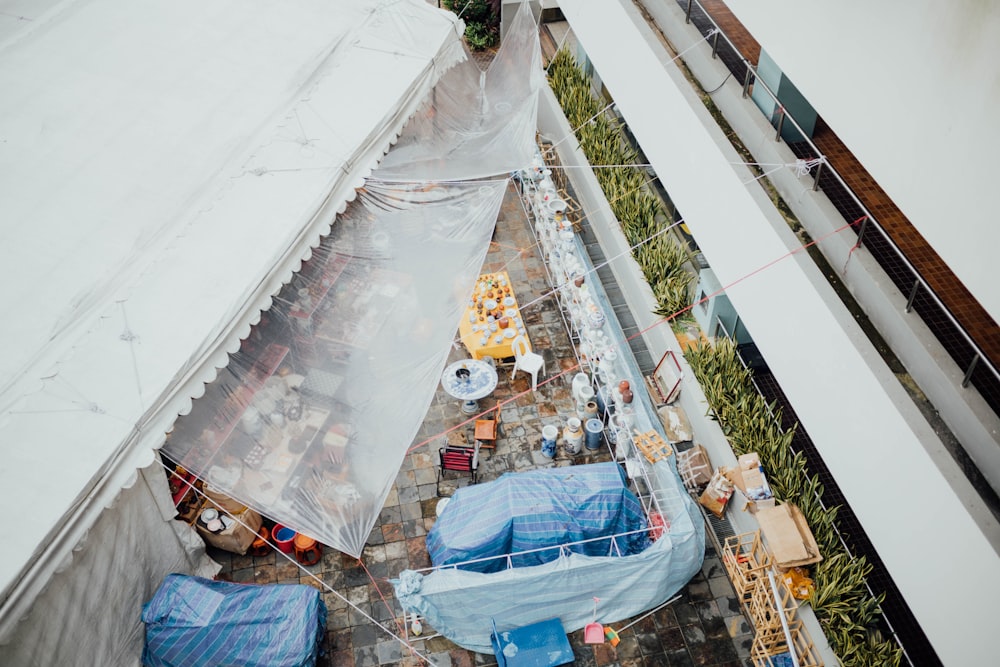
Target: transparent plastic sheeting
[311,419]
[461,604]
[476,124]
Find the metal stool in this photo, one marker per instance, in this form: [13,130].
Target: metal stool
[307,550]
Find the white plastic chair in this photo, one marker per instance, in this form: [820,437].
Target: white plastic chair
[527,361]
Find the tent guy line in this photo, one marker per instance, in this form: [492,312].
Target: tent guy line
[652,326]
[573,132]
[326,587]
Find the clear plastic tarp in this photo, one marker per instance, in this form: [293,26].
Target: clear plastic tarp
[462,604]
[476,124]
[310,420]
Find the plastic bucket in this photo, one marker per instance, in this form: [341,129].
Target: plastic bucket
[549,435]
[595,434]
[284,538]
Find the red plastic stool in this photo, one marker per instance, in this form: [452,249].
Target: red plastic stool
[260,547]
[307,550]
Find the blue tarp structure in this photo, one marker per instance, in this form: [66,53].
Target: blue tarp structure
[529,511]
[463,605]
[196,622]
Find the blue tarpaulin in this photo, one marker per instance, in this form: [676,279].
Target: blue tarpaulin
[528,511]
[195,622]
[463,605]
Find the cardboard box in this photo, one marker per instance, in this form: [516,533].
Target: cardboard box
[222,502]
[751,482]
[675,424]
[694,467]
[788,536]
[238,537]
[717,494]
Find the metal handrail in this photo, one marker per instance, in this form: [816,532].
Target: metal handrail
[869,217]
[563,548]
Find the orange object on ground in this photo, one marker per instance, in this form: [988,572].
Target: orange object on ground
[260,547]
[307,550]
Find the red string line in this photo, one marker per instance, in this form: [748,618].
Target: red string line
[668,318]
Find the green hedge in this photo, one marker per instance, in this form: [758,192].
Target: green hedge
[639,211]
[842,603]
[482,21]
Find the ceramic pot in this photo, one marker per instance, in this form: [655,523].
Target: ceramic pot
[573,436]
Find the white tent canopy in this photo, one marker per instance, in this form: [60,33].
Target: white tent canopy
[309,424]
[164,166]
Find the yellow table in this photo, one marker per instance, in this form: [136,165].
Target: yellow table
[475,333]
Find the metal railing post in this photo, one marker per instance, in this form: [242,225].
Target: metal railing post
[687,14]
[861,232]
[913,295]
[715,44]
[968,374]
[746,81]
[781,121]
[819,170]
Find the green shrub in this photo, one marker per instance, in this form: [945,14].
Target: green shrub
[480,36]
[638,210]
[482,21]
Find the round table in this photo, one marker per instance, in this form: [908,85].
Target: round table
[479,383]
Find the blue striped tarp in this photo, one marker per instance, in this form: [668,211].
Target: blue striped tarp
[196,622]
[540,508]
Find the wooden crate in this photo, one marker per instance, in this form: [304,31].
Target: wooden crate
[746,560]
[652,446]
[764,647]
[763,611]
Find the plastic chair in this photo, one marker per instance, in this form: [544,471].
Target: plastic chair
[527,361]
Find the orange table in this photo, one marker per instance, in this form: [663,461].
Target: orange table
[475,332]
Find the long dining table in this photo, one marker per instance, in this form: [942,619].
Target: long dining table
[492,319]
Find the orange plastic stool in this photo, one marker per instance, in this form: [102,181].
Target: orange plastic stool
[260,547]
[307,550]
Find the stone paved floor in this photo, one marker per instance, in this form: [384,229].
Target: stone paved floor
[704,627]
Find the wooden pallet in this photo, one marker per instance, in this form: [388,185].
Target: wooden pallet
[652,446]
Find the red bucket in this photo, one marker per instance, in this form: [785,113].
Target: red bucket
[283,537]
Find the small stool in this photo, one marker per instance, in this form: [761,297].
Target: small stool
[307,550]
[260,546]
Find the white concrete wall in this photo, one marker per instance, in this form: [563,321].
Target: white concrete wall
[970,419]
[913,88]
[866,429]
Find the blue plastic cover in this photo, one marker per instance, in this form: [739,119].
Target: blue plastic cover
[532,510]
[461,605]
[196,622]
